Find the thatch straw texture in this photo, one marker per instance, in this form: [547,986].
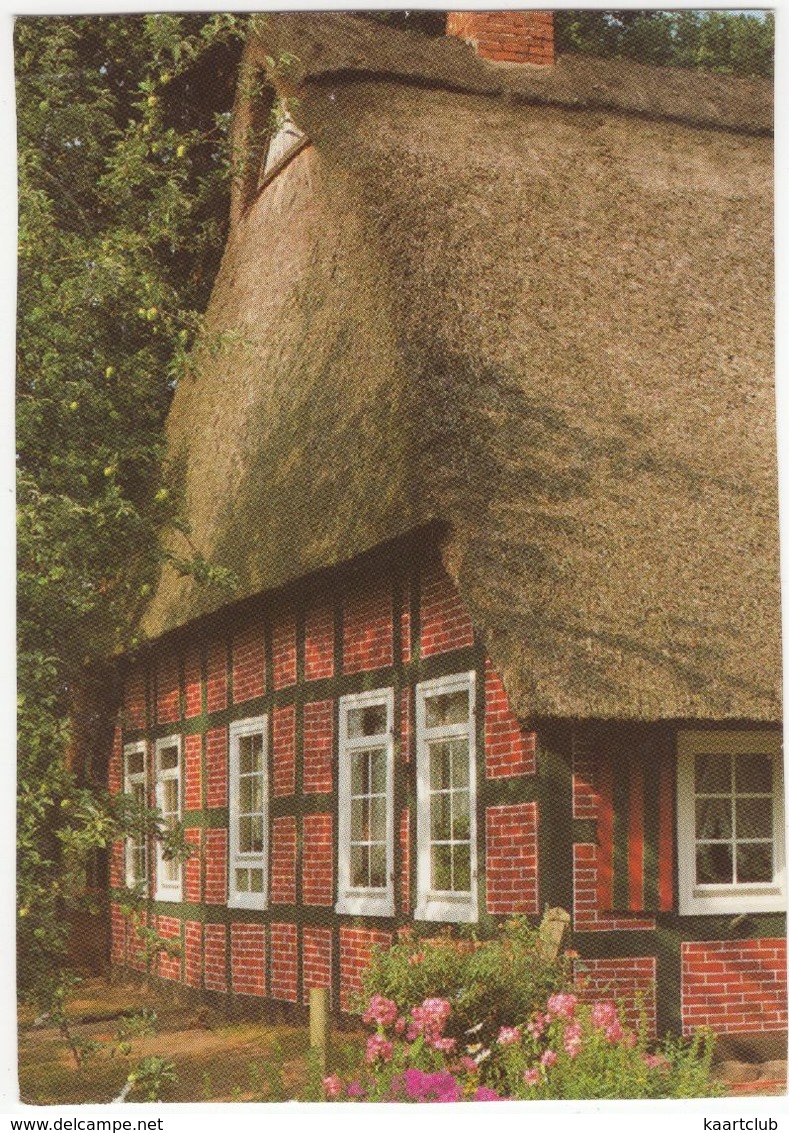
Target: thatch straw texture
[539,312]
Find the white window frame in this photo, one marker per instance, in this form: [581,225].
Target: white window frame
[442,905]
[130,780]
[167,890]
[744,897]
[238,898]
[285,142]
[355,900]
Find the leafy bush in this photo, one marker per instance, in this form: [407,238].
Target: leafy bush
[566,1051]
[575,1051]
[150,1077]
[488,983]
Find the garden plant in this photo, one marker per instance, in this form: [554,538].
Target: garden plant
[568,1050]
[470,1020]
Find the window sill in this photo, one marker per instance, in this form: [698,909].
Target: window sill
[173,897]
[362,905]
[247,901]
[459,911]
[702,903]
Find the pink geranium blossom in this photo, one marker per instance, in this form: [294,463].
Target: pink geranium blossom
[531,1077]
[604,1014]
[614,1033]
[538,1025]
[429,1019]
[445,1046]
[548,1058]
[573,1043]
[378,1047]
[420,1086]
[437,1008]
[508,1036]
[485,1094]
[380,1010]
[332,1087]
[562,1005]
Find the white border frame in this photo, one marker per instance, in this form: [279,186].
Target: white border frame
[168,890]
[352,900]
[140,747]
[753,897]
[238,899]
[440,905]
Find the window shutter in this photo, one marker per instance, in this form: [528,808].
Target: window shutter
[635,829]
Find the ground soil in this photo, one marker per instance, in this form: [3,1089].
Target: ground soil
[215,1060]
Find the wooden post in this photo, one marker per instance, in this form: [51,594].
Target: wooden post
[319,1024]
[553,929]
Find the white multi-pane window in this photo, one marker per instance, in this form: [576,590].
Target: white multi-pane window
[248,814]
[135,786]
[730,822]
[446,799]
[286,138]
[366,810]
[168,800]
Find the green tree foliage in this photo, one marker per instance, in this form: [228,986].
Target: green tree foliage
[123,180]
[728,42]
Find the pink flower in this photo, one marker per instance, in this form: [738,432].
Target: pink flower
[531,1077]
[400,1026]
[355,1090]
[429,1019]
[380,1010]
[378,1047]
[537,1025]
[485,1094]
[573,1043]
[604,1014]
[548,1058]
[332,1087]
[656,1061]
[614,1032]
[562,1005]
[468,1064]
[438,1008]
[445,1046]
[508,1036]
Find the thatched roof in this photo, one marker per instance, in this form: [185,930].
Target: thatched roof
[536,307]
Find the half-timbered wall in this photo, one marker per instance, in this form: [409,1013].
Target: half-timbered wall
[582,817]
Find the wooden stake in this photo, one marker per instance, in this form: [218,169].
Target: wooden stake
[319,1024]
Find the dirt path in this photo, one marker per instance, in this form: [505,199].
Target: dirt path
[214,1060]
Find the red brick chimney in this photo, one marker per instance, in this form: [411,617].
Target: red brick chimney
[506,37]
